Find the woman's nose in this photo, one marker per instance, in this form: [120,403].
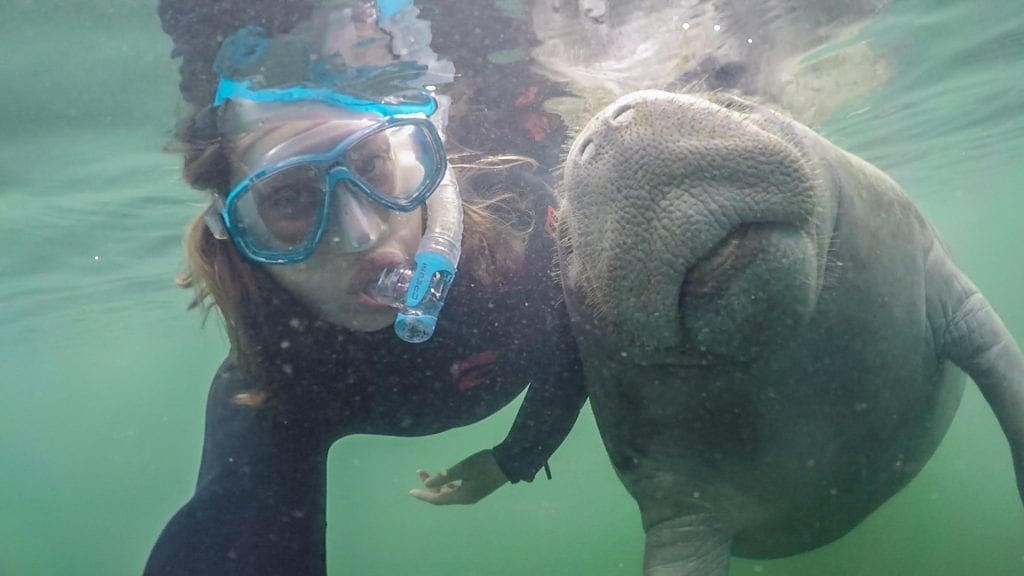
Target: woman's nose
[355,224]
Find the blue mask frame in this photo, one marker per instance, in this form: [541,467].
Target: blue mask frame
[332,169]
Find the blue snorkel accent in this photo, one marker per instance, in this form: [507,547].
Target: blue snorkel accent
[388,8]
[427,264]
[428,288]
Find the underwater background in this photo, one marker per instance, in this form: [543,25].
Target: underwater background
[103,374]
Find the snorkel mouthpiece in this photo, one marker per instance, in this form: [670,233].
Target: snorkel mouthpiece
[418,291]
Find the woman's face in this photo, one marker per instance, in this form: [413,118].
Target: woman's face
[334,282]
[361,238]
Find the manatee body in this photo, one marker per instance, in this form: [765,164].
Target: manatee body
[770,329]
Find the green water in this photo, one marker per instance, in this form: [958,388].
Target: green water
[103,375]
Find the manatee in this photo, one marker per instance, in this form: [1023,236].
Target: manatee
[774,337]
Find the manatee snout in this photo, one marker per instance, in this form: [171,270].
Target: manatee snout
[692,225]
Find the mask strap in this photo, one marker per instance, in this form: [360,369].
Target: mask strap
[387,8]
[214,221]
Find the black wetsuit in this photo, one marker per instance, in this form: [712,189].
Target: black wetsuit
[259,505]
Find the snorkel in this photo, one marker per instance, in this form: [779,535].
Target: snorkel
[419,289]
[433,268]
[262,71]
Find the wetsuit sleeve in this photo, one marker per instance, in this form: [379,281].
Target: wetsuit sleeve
[556,392]
[259,503]
[547,414]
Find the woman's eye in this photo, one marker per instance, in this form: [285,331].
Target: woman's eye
[371,159]
[283,199]
[292,198]
[369,166]
[286,199]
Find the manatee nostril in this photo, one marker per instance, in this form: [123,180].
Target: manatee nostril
[623,114]
[587,150]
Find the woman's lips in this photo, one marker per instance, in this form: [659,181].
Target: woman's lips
[369,274]
[368,301]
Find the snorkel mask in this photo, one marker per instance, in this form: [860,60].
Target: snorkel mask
[386,146]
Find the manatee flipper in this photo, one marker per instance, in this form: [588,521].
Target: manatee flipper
[975,339]
[692,545]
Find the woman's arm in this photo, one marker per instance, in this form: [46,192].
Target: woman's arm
[259,504]
[547,356]
[550,409]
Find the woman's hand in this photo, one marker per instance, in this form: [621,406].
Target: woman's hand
[467,482]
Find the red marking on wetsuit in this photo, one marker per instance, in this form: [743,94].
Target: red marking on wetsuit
[527,96]
[474,370]
[539,124]
[551,223]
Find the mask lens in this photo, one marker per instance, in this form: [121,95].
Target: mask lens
[283,211]
[399,163]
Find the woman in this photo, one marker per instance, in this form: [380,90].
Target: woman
[318,191]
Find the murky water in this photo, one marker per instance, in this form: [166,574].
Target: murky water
[104,375]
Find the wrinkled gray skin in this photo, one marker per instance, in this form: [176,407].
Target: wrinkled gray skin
[770,329]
